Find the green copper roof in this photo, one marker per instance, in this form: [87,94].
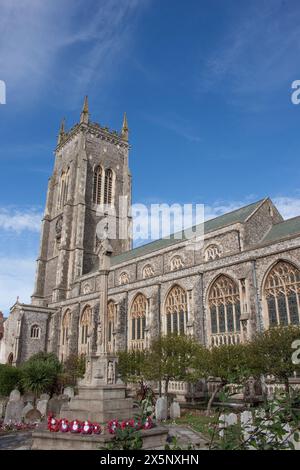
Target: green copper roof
[283,229]
[238,215]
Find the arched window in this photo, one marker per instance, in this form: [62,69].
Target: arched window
[176,310]
[65,330]
[108,187]
[111,310]
[10,359]
[225,311]
[123,278]
[176,263]
[138,322]
[97,185]
[84,330]
[35,332]
[64,187]
[212,252]
[281,291]
[148,271]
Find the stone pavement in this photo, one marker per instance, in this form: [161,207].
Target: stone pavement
[16,441]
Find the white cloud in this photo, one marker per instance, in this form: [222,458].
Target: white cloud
[38,40]
[287,206]
[16,279]
[18,220]
[257,53]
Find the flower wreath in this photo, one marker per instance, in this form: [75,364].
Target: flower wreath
[112,426]
[75,426]
[96,428]
[64,425]
[128,424]
[53,424]
[87,427]
[148,424]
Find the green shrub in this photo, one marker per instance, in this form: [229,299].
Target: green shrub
[40,373]
[10,378]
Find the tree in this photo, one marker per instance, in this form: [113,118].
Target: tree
[229,363]
[132,366]
[73,369]
[172,357]
[40,373]
[10,378]
[271,353]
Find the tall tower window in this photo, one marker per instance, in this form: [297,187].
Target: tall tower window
[64,340]
[108,187]
[97,185]
[64,188]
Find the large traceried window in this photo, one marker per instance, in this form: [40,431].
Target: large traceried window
[176,310]
[138,322]
[111,315]
[65,329]
[84,330]
[225,311]
[97,185]
[281,291]
[108,187]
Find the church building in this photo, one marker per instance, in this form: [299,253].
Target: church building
[96,295]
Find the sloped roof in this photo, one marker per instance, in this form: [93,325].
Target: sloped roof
[238,215]
[282,230]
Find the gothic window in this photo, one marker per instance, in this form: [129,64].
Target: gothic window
[148,271]
[212,252]
[123,278]
[176,263]
[111,310]
[63,189]
[138,322]
[35,332]
[84,330]
[282,290]
[176,311]
[97,185]
[224,307]
[108,187]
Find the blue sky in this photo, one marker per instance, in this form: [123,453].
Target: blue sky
[206,85]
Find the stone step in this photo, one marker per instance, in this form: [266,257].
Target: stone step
[79,403]
[101,393]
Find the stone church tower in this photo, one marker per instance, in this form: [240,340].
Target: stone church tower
[89,184]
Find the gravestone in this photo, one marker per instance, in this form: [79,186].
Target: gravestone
[246,424]
[26,409]
[14,408]
[15,395]
[226,420]
[161,409]
[33,416]
[175,410]
[3,403]
[69,392]
[54,405]
[42,404]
